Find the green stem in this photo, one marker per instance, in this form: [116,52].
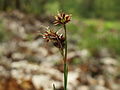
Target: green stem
[65,76]
[65,43]
[65,60]
[54,87]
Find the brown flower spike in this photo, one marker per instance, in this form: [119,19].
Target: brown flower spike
[62,18]
[56,39]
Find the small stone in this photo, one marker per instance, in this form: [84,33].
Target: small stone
[42,81]
[83,87]
[98,87]
[18,56]
[101,80]
[109,61]
[72,78]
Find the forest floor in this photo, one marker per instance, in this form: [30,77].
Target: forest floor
[29,63]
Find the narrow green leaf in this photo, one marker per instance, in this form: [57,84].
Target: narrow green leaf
[65,76]
[54,87]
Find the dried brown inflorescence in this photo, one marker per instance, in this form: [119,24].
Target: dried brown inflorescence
[58,40]
[62,18]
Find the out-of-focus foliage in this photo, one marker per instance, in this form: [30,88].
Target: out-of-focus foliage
[108,9]
[96,35]
[5,35]
[1,33]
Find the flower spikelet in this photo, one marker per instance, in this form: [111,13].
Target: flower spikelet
[62,18]
[58,40]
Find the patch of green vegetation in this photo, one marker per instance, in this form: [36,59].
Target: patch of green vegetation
[76,61]
[4,35]
[2,32]
[97,34]
[52,8]
[72,28]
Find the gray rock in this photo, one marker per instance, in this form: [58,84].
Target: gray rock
[98,87]
[83,87]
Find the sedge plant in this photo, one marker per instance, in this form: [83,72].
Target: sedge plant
[60,41]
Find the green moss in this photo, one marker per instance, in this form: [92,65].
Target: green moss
[4,34]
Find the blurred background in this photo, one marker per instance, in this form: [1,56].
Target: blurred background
[27,62]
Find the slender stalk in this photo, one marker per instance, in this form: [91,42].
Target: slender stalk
[65,60]
[65,43]
[54,87]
